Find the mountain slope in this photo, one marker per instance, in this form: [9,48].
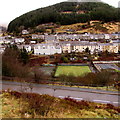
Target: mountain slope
[65,13]
[95,27]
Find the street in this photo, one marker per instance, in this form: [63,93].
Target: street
[98,96]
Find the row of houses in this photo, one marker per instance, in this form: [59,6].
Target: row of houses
[78,37]
[5,40]
[68,47]
[52,45]
[74,46]
[10,40]
[60,37]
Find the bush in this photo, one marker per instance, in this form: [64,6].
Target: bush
[65,59]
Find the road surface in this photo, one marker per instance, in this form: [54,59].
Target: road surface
[98,96]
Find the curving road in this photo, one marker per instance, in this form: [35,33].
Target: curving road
[99,96]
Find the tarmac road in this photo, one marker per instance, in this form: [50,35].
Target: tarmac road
[98,96]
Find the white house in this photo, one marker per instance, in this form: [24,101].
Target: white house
[35,36]
[33,42]
[107,36]
[50,38]
[47,49]
[19,40]
[27,47]
[66,48]
[2,49]
[6,40]
[24,32]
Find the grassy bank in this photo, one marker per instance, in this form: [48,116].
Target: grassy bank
[30,105]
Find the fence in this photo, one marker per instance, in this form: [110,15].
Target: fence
[75,64]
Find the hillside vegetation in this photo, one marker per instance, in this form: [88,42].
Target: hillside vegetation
[94,27]
[66,13]
[31,105]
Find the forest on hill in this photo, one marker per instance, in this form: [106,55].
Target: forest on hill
[66,13]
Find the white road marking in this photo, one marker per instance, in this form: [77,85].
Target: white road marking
[61,96]
[76,98]
[102,101]
[116,102]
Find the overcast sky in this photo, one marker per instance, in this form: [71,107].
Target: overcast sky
[10,9]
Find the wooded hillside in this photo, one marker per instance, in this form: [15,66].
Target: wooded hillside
[66,13]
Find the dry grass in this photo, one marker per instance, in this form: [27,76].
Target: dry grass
[30,105]
[109,27]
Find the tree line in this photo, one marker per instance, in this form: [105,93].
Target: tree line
[105,78]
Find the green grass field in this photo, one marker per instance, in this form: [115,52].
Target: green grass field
[72,70]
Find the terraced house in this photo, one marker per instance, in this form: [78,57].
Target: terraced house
[110,47]
[92,47]
[75,37]
[95,47]
[75,46]
[47,49]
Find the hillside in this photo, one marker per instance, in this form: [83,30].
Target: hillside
[31,105]
[95,27]
[65,13]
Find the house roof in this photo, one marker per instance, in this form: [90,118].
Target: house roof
[50,37]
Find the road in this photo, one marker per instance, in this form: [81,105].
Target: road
[98,96]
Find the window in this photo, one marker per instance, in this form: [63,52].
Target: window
[43,47]
[36,47]
[57,47]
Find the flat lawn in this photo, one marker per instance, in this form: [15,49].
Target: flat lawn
[72,70]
